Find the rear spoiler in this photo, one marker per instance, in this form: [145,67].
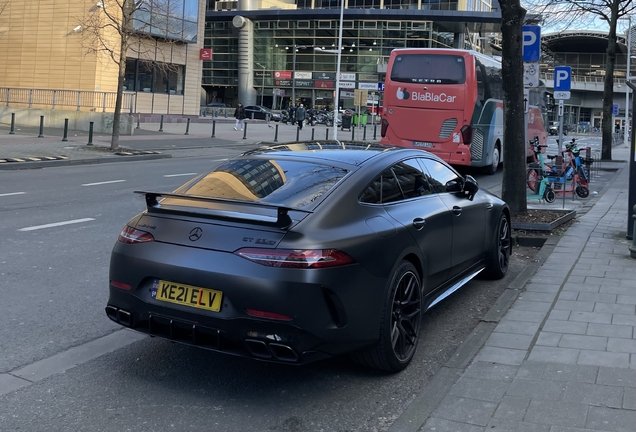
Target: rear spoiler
[283,220]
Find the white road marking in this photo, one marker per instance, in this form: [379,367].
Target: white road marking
[101,183]
[178,175]
[12,193]
[56,224]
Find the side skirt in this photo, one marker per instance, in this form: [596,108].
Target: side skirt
[454,288]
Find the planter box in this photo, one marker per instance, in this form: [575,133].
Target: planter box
[566,216]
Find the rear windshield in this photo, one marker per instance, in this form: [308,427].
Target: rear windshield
[429,69]
[290,183]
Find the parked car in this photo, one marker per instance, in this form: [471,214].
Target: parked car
[553,128]
[299,252]
[260,113]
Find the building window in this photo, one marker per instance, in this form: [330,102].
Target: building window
[171,19]
[154,77]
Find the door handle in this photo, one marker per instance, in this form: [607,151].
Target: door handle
[457,210]
[419,223]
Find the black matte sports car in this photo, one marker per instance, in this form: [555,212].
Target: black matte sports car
[298,252]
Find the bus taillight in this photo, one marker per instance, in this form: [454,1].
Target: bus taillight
[384,127]
[467,134]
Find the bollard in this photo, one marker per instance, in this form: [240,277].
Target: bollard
[12,131]
[90,134]
[297,133]
[252,116]
[364,133]
[138,121]
[188,127]
[65,137]
[312,133]
[276,134]
[375,129]
[327,135]
[225,111]
[353,134]
[41,135]
[213,128]
[245,131]
[632,248]
[161,124]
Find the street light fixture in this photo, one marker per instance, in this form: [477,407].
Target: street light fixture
[296,47]
[262,82]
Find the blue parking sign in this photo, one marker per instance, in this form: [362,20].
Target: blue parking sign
[531,43]
[380,86]
[615,109]
[562,78]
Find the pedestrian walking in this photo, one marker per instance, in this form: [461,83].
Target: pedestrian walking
[292,113]
[301,114]
[240,115]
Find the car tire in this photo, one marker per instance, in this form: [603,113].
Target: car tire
[400,323]
[492,168]
[500,250]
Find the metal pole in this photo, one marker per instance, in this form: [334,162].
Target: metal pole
[188,127]
[297,133]
[138,121]
[161,124]
[312,133]
[294,77]
[213,128]
[65,137]
[90,134]
[337,91]
[327,134]
[12,131]
[353,133]
[245,131]
[364,132]
[375,130]
[41,135]
[629,55]
[276,134]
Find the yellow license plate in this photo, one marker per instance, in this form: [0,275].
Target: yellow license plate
[188,295]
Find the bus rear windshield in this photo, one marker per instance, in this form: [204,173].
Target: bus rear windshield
[429,69]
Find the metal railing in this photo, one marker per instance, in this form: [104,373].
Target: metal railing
[549,77]
[64,99]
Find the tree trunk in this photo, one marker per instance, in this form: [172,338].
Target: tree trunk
[608,88]
[114,142]
[514,168]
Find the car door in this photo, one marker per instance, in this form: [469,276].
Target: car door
[468,217]
[408,198]
[251,112]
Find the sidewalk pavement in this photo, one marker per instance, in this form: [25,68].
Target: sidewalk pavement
[557,351]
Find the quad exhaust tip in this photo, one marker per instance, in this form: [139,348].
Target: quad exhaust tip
[119,315]
[262,350]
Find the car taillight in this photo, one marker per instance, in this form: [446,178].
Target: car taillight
[295,258]
[130,235]
[467,134]
[272,315]
[384,127]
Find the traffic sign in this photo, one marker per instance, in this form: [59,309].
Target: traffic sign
[531,43]
[531,74]
[380,86]
[562,95]
[562,78]
[615,109]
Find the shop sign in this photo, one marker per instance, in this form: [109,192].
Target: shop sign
[347,77]
[368,86]
[263,74]
[284,83]
[282,75]
[324,84]
[205,54]
[368,77]
[303,75]
[304,83]
[346,94]
[325,76]
[347,84]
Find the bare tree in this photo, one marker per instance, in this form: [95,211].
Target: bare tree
[514,185]
[4,4]
[566,13]
[113,29]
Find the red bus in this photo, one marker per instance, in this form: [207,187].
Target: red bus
[449,102]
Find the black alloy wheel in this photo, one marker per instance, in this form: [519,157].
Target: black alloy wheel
[501,249]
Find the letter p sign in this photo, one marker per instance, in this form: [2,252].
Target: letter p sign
[562,78]
[531,43]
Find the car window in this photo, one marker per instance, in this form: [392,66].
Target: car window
[290,183]
[441,178]
[383,190]
[412,180]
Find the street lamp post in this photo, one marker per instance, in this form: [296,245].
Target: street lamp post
[629,55]
[262,82]
[294,73]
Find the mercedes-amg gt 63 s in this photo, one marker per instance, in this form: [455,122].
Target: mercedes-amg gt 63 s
[303,251]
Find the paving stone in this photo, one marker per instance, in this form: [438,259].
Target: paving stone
[616,289]
[571,285]
[544,297]
[626,299]
[629,398]
[568,295]
[620,319]
[475,388]
[625,309]
[565,326]
[631,283]
[517,327]
[545,288]
[440,425]
[536,389]
[491,371]
[505,425]
[509,340]
[522,304]
[559,315]
[465,410]
[621,345]
[569,429]
[583,342]
[591,317]
[607,419]
[531,370]
[585,260]
[512,408]
[616,377]
[594,394]
[574,305]
[619,331]
[554,354]
[597,297]
[570,372]
[549,339]
[501,355]
[556,413]
[602,358]
[576,279]
[525,316]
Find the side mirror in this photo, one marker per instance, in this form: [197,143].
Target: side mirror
[470,187]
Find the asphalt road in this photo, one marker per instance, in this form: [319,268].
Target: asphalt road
[59,225]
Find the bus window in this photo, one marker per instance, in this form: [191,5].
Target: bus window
[429,69]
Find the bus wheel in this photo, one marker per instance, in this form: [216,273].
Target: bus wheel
[492,168]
